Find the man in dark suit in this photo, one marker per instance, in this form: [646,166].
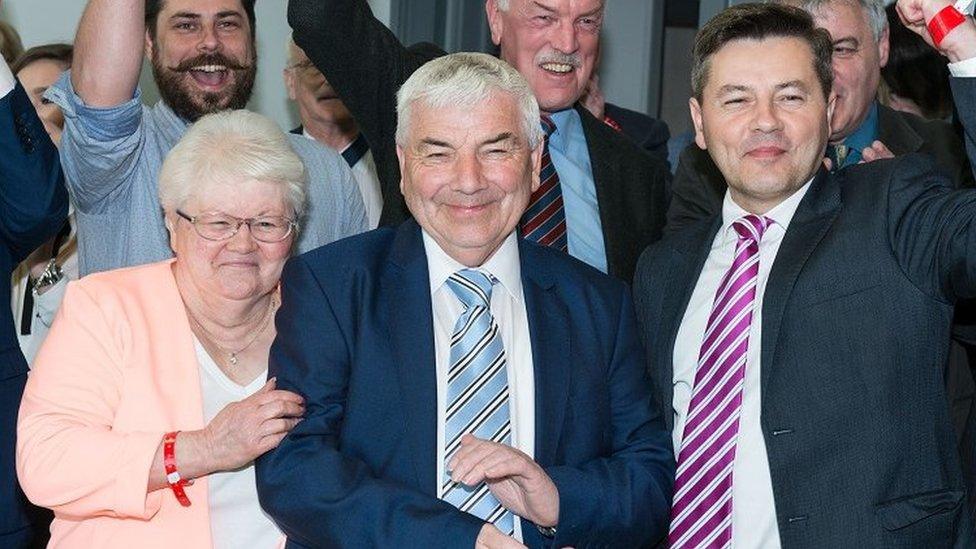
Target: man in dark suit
[463,385]
[33,206]
[820,302]
[859,29]
[614,194]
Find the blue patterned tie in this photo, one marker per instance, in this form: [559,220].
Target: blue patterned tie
[477,393]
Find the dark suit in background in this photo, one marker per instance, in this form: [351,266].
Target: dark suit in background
[356,340]
[855,328]
[33,206]
[366,64]
[649,133]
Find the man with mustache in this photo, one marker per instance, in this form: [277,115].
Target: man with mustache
[326,119]
[798,336]
[607,199]
[203,60]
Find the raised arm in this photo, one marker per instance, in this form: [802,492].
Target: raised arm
[108,51]
[33,201]
[361,58]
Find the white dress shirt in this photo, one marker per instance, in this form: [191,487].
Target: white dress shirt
[508,308]
[7,80]
[753,507]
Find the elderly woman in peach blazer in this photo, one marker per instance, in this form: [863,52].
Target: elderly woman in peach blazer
[153,377]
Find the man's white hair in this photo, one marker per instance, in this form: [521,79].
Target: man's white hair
[232,146]
[467,80]
[874,10]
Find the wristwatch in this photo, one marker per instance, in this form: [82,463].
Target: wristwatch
[51,275]
[547,531]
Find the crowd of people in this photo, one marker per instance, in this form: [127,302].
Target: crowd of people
[466,303]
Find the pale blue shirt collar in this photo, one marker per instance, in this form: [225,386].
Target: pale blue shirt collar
[7,80]
[504,265]
[781,215]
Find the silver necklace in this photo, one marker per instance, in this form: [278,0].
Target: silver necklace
[232,355]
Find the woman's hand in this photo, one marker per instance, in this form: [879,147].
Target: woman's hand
[246,429]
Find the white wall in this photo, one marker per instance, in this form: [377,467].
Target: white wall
[43,21]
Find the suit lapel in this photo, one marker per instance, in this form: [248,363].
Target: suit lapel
[407,286]
[604,162]
[814,216]
[551,350]
[683,277]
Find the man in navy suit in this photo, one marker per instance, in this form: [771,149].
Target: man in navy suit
[33,205]
[823,303]
[463,386]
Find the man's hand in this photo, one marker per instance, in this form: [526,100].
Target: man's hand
[493,538]
[876,151]
[517,481]
[958,45]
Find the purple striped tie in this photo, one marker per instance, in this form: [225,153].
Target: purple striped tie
[701,513]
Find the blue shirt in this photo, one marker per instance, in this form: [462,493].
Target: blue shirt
[112,158]
[863,136]
[571,157]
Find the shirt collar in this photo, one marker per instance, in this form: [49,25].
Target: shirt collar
[781,215]
[504,265]
[866,133]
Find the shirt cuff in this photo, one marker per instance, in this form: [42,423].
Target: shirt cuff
[963,69]
[7,80]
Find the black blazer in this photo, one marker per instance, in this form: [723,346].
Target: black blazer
[366,64]
[649,133]
[855,329]
[33,206]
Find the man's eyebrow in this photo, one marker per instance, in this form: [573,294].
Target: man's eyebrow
[228,13]
[39,90]
[185,15]
[544,7]
[799,84]
[431,142]
[730,88]
[847,41]
[498,138]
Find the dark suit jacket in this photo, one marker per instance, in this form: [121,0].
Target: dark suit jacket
[649,133]
[33,205]
[366,65]
[355,339]
[855,330]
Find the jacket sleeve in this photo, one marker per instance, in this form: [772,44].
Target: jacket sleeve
[623,500]
[32,194]
[68,457]
[317,494]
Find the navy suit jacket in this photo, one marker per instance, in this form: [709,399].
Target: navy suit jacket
[33,205]
[855,333]
[355,339]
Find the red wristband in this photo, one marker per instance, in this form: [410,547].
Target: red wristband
[947,19]
[176,483]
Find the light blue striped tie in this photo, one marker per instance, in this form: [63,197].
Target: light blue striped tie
[477,393]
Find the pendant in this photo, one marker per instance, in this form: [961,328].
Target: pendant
[233,359]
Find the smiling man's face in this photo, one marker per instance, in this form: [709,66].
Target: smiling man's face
[555,44]
[764,123]
[203,56]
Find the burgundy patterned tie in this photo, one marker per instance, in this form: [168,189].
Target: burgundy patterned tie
[544,221]
[701,513]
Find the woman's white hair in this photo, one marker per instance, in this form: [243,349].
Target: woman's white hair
[466,80]
[232,146]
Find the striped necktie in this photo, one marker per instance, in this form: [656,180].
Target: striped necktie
[477,393]
[701,512]
[544,221]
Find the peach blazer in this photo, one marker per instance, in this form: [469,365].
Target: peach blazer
[117,371]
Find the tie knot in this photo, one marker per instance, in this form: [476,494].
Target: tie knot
[472,287]
[751,227]
[547,124]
